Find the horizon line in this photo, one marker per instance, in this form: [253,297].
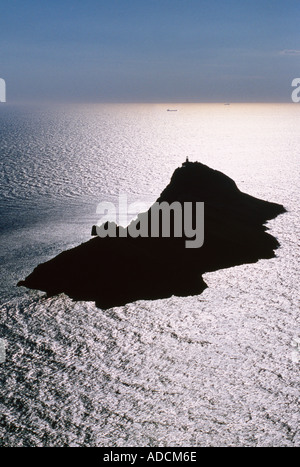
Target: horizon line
[121,102]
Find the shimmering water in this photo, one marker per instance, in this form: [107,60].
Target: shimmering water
[221,369]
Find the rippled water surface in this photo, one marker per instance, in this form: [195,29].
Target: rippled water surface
[220,369]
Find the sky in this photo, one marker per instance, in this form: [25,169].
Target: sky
[149,50]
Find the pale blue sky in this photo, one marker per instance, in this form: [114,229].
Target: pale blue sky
[149,50]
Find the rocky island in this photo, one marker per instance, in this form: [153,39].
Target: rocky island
[113,271]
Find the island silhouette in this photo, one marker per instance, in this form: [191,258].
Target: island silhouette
[113,271]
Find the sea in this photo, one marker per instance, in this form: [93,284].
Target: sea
[219,369]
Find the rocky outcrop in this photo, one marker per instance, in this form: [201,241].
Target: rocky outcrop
[115,271]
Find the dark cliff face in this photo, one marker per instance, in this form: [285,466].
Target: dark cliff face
[115,271]
[234,221]
[195,181]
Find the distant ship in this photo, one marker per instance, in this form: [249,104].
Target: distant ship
[171,110]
